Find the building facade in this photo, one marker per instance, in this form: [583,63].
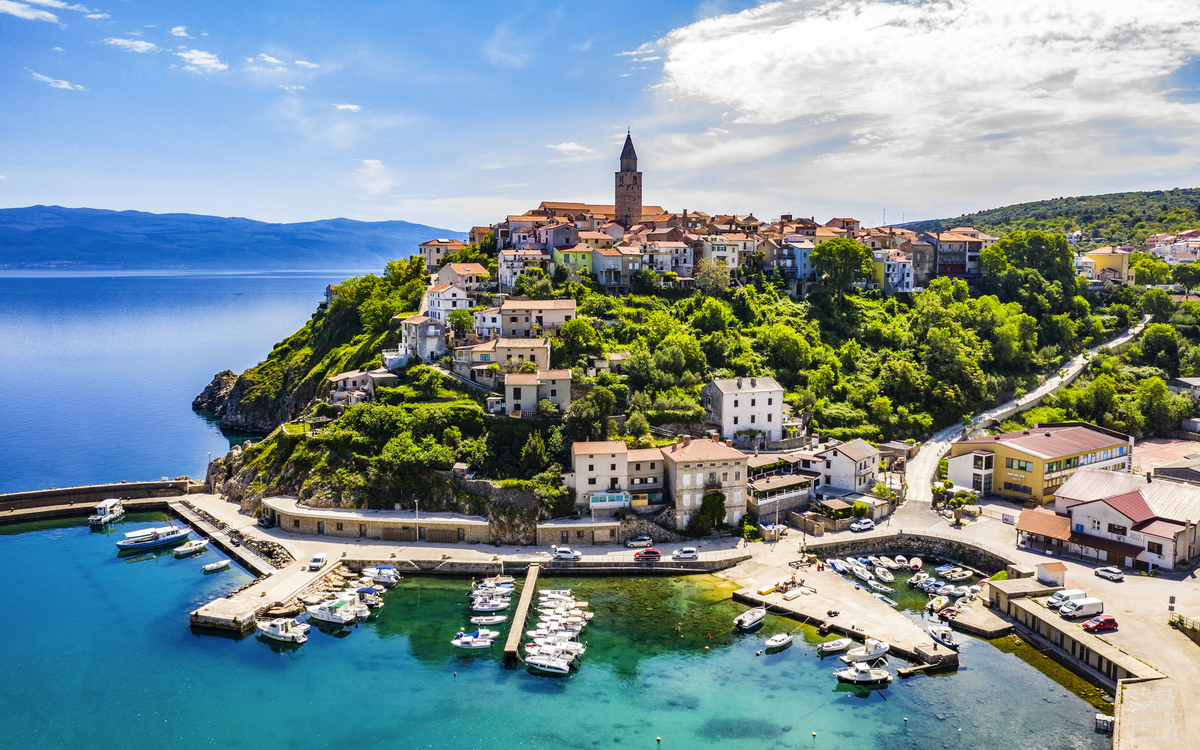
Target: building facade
[696,468]
[744,408]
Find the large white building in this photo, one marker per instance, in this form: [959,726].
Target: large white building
[744,408]
[443,298]
[849,466]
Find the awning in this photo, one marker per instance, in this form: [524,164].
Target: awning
[1111,546]
[835,504]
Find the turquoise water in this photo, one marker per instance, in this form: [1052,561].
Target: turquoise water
[100,371]
[106,660]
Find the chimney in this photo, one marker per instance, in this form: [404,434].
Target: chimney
[739,383]
[1149,476]
[753,382]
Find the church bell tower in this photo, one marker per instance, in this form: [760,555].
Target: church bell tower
[629,187]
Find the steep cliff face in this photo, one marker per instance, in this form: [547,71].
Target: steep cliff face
[213,397]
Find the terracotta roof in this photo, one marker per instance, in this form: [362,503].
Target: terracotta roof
[780,482]
[521,378]
[701,450]
[766,459]
[645,454]
[537,304]
[443,287]
[856,450]
[459,243]
[461,268]
[1054,567]
[606,446]
[834,504]
[418,319]
[1053,442]
[1044,523]
[554,374]
[1108,251]
[1160,528]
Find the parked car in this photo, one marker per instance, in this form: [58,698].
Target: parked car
[686,553]
[640,541]
[647,554]
[566,553]
[1059,598]
[265,522]
[862,524]
[1112,573]
[1082,608]
[318,561]
[1100,624]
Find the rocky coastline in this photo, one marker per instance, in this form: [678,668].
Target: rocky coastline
[228,397]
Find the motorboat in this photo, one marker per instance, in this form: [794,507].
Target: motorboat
[508,581]
[370,596]
[937,604]
[488,619]
[215,566]
[107,511]
[554,665]
[285,629]
[360,608]
[943,635]
[959,575]
[162,536]
[885,575]
[916,563]
[779,641]
[947,590]
[832,647]
[493,589]
[975,590]
[918,578]
[334,612]
[862,573]
[750,618]
[901,560]
[554,592]
[890,602]
[874,560]
[471,640]
[961,591]
[948,613]
[859,675]
[877,586]
[889,563]
[851,562]
[865,562]
[945,568]
[932,585]
[190,548]
[871,650]
[490,605]
[838,565]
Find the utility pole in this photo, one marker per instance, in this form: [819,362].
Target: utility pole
[417,516]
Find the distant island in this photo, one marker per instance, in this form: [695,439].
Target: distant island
[53,237]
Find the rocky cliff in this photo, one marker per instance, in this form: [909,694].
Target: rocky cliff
[214,396]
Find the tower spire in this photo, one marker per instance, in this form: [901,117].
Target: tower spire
[628,203]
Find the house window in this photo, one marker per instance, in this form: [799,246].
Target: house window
[295,523]
[770,401]
[652,465]
[735,403]
[553,392]
[591,480]
[612,467]
[735,420]
[591,467]
[769,417]
[1095,525]
[339,527]
[1154,548]
[516,393]
[753,401]
[637,467]
[1117,529]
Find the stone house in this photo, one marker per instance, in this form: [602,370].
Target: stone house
[525,318]
[523,391]
[423,336]
[695,468]
[475,361]
[739,405]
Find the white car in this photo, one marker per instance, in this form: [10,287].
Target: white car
[686,553]
[1112,573]
[318,561]
[862,524]
[566,553]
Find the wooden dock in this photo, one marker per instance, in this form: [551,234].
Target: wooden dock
[516,632]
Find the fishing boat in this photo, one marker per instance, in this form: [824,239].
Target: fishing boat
[946,590]
[948,613]
[890,602]
[284,629]
[877,586]
[215,566]
[889,563]
[838,565]
[937,604]
[915,563]
[832,647]
[943,635]
[871,650]
[874,560]
[918,578]
[334,612]
[961,591]
[945,568]
[384,575]
[554,592]
[507,581]
[901,560]
[859,675]
[488,619]
[471,640]
[885,575]
[975,590]
[959,575]
[865,562]
[862,573]
[490,605]
[107,511]
[162,536]
[850,562]
[552,665]
[190,548]
[779,641]
[749,618]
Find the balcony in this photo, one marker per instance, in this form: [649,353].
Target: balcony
[608,500]
[713,484]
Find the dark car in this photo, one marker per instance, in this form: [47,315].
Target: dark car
[647,554]
[640,541]
[1100,623]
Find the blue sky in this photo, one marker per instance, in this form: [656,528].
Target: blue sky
[457,114]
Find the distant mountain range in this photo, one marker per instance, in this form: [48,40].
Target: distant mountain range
[82,238]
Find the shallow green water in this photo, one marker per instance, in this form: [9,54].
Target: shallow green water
[106,660]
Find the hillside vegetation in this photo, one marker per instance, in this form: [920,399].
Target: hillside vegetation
[1112,219]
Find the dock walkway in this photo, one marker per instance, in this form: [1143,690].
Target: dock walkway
[517,632]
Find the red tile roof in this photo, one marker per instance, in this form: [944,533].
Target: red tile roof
[1129,504]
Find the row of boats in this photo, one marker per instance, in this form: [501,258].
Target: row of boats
[862,664]
[354,604]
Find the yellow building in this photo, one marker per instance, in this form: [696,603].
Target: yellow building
[1033,463]
[1115,260]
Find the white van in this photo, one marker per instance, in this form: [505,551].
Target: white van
[1082,608]
[318,561]
[1059,598]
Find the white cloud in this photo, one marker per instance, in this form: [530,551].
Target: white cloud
[646,48]
[2,177]
[350,107]
[180,31]
[267,58]
[307,64]
[98,15]
[375,178]
[132,45]
[291,89]
[571,149]
[505,49]
[21,10]
[58,4]
[968,95]
[54,83]
[58,49]
[201,62]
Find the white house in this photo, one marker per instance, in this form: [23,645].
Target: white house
[443,298]
[487,323]
[523,318]
[465,275]
[849,466]
[423,336]
[744,407]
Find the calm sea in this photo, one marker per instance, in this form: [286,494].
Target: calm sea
[106,661]
[99,372]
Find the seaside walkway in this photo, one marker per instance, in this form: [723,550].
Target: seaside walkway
[517,631]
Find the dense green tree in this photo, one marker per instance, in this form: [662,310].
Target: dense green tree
[842,261]
[1149,270]
[1048,254]
[710,277]
[1158,303]
[712,316]
[576,338]
[1161,409]
[462,321]
[533,455]
[1187,275]
[637,426]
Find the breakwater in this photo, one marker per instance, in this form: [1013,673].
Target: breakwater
[89,494]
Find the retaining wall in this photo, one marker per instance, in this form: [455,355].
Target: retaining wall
[905,543]
[93,493]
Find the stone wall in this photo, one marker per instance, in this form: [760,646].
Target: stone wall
[908,543]
[94,493]
[632,527]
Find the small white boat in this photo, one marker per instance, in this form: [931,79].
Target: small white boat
[888,563]
[548,664]
[959,575]
[779,641]
[490,605]
[334,611]
[871,650]
[915,563]
[508,581]
[832,647]
[946,590]
[884,575]
[901,560]
[937,604]
[554,592]
[859,675]
[163,536]
[948,568]
[218,565]
[488,619]
[918,579]
[471,640]
[862,573]
[749,618]
[975,590]
[190,548]
[876,585]
[285,629]
[890,602]
[943,635]
[107,511]
[961,591]
[874,560]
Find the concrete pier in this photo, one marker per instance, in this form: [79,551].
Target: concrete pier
[516,633]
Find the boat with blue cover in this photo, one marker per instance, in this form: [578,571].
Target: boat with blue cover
[162,536]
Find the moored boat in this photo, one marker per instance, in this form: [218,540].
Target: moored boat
[190,548]
[546,664]
[487,604]
[938,603]
[471,640]
[915,563]
[890,602]
[901,560]
[107,511]
[162,536]
[872,649]
[884,575]
[284,629]
[488,619]
[779,641]
[838,565]
[945,568]
[832,647]
[749,618]
[876,585]
[862,573]
[943,635]
[213,567]
[334,611]
[918,578]
[859,675]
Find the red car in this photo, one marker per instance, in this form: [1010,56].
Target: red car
[1100,623]
[650,553]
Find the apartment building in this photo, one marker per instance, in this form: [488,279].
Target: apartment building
[893,271]
[744,408]
[435,252]
[475,361]
[523,391]
[695,468]
[444,298]
[523,318]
